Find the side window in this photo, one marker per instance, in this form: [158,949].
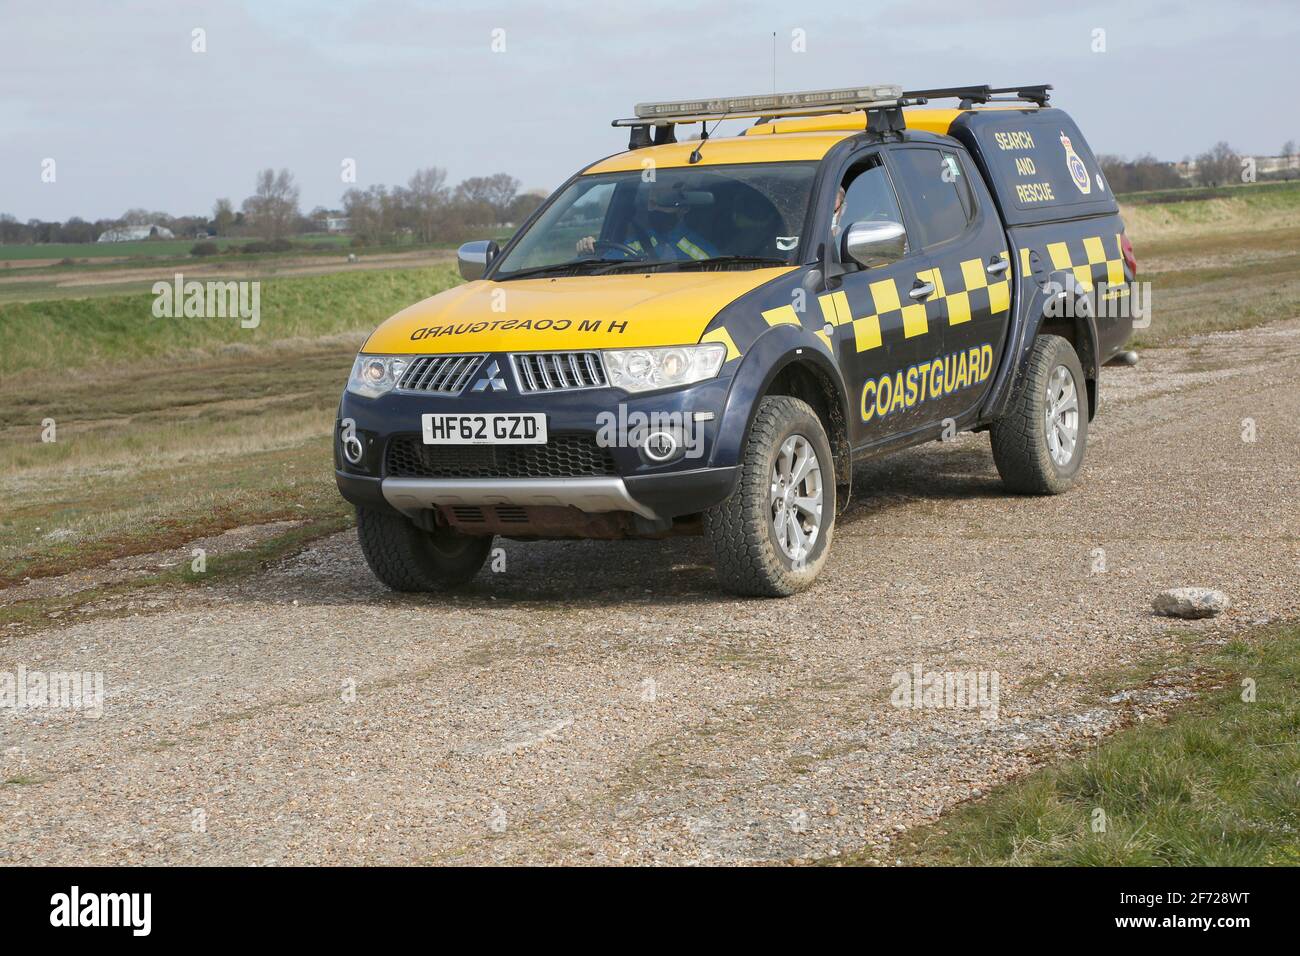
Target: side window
[868,196]
[936,183]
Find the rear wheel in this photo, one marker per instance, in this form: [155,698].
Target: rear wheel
[770,538]
[1038,443]
[407,558]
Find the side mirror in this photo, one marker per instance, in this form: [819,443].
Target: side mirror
[473,258]
[874,243]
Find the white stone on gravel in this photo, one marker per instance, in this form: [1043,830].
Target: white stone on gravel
[1190,602]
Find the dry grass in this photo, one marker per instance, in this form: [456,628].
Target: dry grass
[151,460]
[1212,283]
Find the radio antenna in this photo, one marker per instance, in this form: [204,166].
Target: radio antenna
[695,156]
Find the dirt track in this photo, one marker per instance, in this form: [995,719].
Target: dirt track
[234,269]
[605,703]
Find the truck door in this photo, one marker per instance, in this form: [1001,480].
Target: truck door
[881,325]
[949,208]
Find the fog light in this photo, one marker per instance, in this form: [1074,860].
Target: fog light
[660,446]
[352,449]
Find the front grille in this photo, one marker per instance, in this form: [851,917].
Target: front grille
[564,456]
[444,374]
[558,371]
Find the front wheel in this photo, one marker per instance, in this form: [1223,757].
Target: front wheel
[771,537]
[407,558]
[1039,441]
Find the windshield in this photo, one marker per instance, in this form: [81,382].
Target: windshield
[718,216]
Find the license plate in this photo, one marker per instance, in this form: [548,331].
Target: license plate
[496,429]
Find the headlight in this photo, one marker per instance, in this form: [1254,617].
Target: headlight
[641,370]
[375,375]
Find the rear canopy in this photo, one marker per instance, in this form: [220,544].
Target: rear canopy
[1037,164]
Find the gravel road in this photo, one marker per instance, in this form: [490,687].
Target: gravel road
[605,703]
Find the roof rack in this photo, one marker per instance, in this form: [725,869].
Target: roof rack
[882,103]
[884,100]
[970,95]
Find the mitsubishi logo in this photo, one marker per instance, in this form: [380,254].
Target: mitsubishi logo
[492,377]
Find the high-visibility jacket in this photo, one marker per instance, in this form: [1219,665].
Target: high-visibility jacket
[679,243]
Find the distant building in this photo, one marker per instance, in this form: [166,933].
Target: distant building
[136,233]
[1278,167]
[337,224]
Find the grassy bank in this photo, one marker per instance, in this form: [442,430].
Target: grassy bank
[75,333]
[1262,206]
[1218,785]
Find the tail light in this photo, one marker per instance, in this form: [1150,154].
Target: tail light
[1126,248]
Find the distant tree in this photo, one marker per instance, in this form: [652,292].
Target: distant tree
[523,206]
[190,226]
[40,231]
[1218,167]
[489,195]
[1143,173]
[11,230]
[425,199]
[77,230]
[1288,148]
[223,217]
[374,213]
[273,207]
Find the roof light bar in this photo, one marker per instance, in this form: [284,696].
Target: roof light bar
[768,104]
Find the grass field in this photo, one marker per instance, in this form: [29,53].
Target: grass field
[1219,785]
[1218,281]
[169,429]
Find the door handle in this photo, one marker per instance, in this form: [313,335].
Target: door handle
[923,291]
[998,266]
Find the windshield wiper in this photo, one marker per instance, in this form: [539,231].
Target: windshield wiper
[672,265]
[729,260]
[577,266]
[573,265]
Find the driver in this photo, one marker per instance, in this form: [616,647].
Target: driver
[664,229]
[839,211]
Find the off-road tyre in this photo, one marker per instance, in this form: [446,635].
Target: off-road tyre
[740,530]
[407,558]
[1021,449]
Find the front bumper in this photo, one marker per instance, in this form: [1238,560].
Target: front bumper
[629,482]
[591,495]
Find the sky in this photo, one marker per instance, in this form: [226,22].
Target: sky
[114,92]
